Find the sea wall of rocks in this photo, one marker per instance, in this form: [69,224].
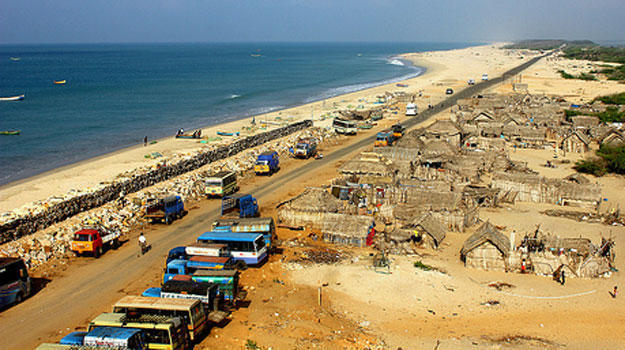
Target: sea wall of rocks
[14,226]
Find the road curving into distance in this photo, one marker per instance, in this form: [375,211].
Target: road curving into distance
[91,286]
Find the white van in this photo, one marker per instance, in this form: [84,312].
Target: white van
[484,77]
[411,109]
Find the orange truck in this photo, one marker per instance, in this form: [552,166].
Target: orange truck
[93,240]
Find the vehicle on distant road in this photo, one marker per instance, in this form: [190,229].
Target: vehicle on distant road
[484,77]
[471,82]
[449,91]
[305,148]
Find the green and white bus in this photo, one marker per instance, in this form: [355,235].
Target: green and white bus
[221,184]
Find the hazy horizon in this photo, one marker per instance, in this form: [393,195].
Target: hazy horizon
[197,21]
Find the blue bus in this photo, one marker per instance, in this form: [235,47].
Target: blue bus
[264,226]
[14,281]
[247,247]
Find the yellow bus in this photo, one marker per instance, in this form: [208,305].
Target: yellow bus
[221,184]
[160,332]
[191,311]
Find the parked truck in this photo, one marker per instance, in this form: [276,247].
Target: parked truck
[92,240]
[398,131]
[244,204]
[384,138]
[165,209]
[107,337]
[305,148]
[188,267]
[267,163]
[264,226]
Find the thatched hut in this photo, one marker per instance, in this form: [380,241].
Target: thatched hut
[308,208]
[612,138]
[576,142]
[346,229]
[486,249]
[369,163]
[428,230]
[445,130]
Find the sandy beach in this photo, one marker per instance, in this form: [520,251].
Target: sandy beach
[445,69]
[449,307]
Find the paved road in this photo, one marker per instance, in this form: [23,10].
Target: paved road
[91,286]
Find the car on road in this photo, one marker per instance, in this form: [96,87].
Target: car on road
[449,91]
[471,81]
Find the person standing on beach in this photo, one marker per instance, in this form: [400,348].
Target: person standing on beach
[145,141]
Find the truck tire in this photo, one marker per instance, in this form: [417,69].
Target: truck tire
[19,298]
[115,243]
[240,265]
[98,252]
[168,220]
[78,254]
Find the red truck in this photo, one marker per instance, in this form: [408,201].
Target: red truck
[92,240]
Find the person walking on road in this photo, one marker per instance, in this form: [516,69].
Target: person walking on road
[143,243]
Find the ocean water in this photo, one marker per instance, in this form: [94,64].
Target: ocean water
[118,93]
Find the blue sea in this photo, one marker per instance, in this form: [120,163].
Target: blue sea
[118,93]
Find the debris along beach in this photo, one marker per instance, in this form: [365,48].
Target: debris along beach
[444,217]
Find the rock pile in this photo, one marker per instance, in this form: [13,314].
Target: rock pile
[45,229]
[39,215]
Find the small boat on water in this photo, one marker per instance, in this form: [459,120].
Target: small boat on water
[60,82]
[10,132]
[12,98]
[15,58]
[255,55]
[222,133]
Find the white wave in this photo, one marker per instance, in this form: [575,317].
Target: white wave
[233,96]
[263,110]
[357,87]
[396,62]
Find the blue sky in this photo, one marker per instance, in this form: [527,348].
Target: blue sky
[93,21]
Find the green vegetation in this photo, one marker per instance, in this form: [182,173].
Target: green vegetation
[582,76]
[571,113]
[422,266]
[601,53]
[616,99]
[611,115]
[548,44]
[251,345]
[611,160]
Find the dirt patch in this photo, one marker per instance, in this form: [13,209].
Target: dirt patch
[524,340]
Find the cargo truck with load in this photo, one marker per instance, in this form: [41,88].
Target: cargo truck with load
[267,163]
[92,240]
[305,148]
[165,209]
[398,131]
[244,204]
[206,292]
[15,283]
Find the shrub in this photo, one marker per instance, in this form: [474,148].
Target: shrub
[615,99]
[594,167]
